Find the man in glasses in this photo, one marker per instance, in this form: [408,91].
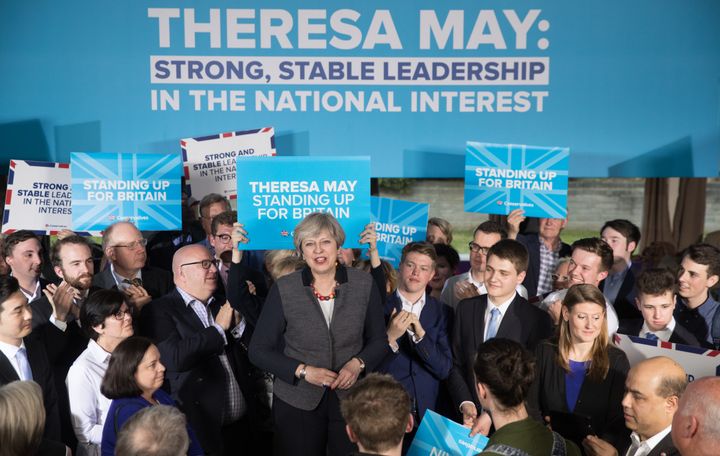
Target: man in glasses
[470,284]
[197,335]
[544,247]
[124,248]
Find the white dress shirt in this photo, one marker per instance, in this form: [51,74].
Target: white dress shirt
[664,334]
[10,351]
[502,307]
[88,407]
[638,448]
[414,308]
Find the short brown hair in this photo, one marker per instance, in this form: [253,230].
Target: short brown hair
[507,369]
[211,199]
[377,410]
[705,254]
[491,227]
[421,247]
[60,243]
[656,282]
[223,218]
[511,250]
[15,238]
[628,229]
[598,247]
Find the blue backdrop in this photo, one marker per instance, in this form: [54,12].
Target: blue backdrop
[630,87]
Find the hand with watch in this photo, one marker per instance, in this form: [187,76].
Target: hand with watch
[319,376]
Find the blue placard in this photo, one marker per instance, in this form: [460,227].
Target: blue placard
[397,223]
[502,177]
[438,435]
[276,193]
[140,188]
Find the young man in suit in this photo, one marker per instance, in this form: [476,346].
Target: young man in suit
[124,247]
[196,340]
[619,286]
[21,356]
[417,330]
[656,301]
[499,313]
[23,253]
[652,393]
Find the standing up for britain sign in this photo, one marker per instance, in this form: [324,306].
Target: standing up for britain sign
[500,178]
[112,187]
[276,193]
[397,223]
[210,160]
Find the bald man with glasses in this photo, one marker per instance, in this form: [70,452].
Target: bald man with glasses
[197,332]
[124,248]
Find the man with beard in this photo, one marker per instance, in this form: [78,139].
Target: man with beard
[23,253]
[124,247]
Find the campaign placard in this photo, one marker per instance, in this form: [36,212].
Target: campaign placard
[397,223]
[140,188]
[697,361]
[500,178]
[38,197]
[209,161]
[276,193]
[438,435]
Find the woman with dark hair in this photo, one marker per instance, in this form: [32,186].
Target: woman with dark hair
[319,330]
[105,317]
[133,380]
[504,371]
[447,260]
[580,375]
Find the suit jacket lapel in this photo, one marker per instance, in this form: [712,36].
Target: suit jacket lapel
[511,326]
[7,372]
[187,314]
[479,322]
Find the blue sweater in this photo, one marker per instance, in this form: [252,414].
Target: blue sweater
[122,409]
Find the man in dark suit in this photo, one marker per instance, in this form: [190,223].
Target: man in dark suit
[21,356]
[619,286]
[124,247]
[652,393]
[22,251]
[197,350]
[545,248]
[656,301]
[499,313]
[417,330]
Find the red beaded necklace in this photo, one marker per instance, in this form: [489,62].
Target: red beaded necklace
[321,297]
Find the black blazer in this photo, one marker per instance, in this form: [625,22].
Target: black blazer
[157,282]
[523,323]
[665,447]
[194,372]
[532,244]
[42,375]
[680,335]
[598,400]
[625,300]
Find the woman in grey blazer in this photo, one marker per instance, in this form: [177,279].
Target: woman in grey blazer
[319,330]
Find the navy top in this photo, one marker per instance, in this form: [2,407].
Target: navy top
[122,409]
[573,382]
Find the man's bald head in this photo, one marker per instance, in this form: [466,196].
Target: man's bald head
[696,425]
[189,273]
[652,391]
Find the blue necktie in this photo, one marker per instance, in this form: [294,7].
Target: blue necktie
[493,323]
[651,336]
[23,365]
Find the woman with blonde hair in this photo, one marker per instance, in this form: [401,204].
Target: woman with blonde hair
[22,421]
[580,375]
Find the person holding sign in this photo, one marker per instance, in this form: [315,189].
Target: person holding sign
[580,377]
[504,371]
[319,330]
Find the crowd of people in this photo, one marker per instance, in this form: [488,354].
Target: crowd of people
[185,343]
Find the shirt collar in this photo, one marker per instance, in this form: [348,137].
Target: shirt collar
[472,280]
[502,307]
[119,279]
[663,334]
[97,353]
[417,305]
[35,294]
[188,298]
[652,441]
[10,350]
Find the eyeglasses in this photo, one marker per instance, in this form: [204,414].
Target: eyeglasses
[563,278]
[204,263]
[120,314]
[133,245]
[476,248]
[223,237]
